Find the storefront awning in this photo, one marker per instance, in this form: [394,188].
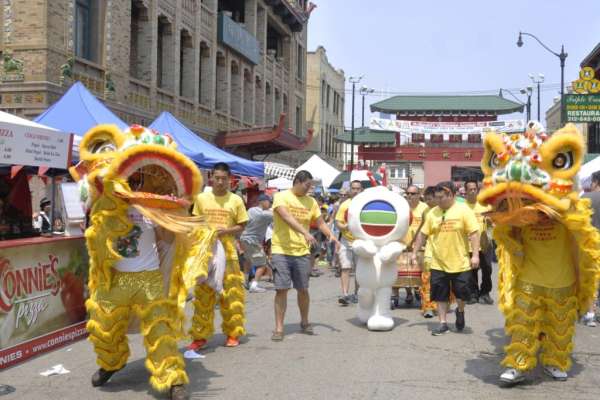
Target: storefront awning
[263,140]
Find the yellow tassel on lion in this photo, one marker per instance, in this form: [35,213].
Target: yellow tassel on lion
[548,251]
[146,252]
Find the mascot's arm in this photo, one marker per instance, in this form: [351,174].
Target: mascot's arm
[364,248]
[587,242]
[391,251]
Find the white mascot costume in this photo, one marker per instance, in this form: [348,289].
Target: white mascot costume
[378,219]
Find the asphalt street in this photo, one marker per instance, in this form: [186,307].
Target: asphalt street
[341,361]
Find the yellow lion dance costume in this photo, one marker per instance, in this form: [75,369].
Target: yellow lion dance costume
[548,251]
[165,182]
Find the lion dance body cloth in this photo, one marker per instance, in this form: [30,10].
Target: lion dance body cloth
[548,251]
[145,251]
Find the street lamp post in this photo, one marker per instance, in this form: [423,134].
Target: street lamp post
[527,104]
[528,91]
[537,80]
[354,80]
[363,92]
[562,57]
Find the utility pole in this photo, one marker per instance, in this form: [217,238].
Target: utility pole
[537,80]
[354,80]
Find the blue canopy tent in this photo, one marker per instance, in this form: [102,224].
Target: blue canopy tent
[77,111]
[204,154]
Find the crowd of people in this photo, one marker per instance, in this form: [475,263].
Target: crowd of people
[289,239]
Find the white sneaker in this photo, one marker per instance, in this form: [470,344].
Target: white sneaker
[512,376]
[555,373]
[589,319]
[254,288]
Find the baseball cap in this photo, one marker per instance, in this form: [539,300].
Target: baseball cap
[263,197]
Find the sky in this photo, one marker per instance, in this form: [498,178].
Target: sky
[439,46]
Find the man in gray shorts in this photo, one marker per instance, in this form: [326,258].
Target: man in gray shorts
[252,241]
[293,212]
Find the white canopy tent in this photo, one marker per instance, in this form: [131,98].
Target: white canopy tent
[320,170]
[280,183]
[586,171]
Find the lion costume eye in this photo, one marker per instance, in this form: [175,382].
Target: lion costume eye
[563,160]
[494,161]
[102,147]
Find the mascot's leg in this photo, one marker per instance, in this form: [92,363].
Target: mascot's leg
[427,306]
[204,312]
[366,303]
[232,303]
[558,328]
[109,311]
[381,320]
[162,326]
[524,327]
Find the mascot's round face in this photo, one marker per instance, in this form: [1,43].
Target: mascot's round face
[379,215]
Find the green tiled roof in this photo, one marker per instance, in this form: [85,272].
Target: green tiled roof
[488,103]
[366,135]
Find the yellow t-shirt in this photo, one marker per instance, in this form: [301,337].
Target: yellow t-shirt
[417,217]
[220,211]
[479,209]
[448,235]
[341,216]
[304,209]
[548,261]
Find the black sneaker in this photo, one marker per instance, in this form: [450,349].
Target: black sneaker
[178,392]
[354,298]
[486,299]
[460,320]
[344,300]
[441,330]
[102,376]
[473,300]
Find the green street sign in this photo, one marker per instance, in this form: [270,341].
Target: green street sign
[582,107]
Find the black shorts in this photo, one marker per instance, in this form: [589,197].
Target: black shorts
[442,282]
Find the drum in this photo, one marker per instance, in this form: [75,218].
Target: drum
[409,274]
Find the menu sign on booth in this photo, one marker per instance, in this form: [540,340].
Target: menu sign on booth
[34,146]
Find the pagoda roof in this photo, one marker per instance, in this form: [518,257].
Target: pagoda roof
[366,135]
[478,104]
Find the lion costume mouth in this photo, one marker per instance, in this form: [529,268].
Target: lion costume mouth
[520,204]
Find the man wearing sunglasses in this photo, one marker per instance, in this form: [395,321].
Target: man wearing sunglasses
[449,228]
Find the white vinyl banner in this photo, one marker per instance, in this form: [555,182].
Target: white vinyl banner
[34,146]
[446,128]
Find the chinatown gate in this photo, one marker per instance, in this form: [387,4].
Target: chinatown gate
[433,138]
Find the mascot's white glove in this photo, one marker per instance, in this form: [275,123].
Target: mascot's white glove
[364,248]
[391,251]
[216,268]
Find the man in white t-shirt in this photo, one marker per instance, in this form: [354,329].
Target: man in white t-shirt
[137,287]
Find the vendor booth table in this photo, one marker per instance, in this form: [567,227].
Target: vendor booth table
[42,278]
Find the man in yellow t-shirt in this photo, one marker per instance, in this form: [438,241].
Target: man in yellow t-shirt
[346,255]
[293,212]
[480,293]
[450,228]
[225,212]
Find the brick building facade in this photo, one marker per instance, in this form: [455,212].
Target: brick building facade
[325,106]
[217,65]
